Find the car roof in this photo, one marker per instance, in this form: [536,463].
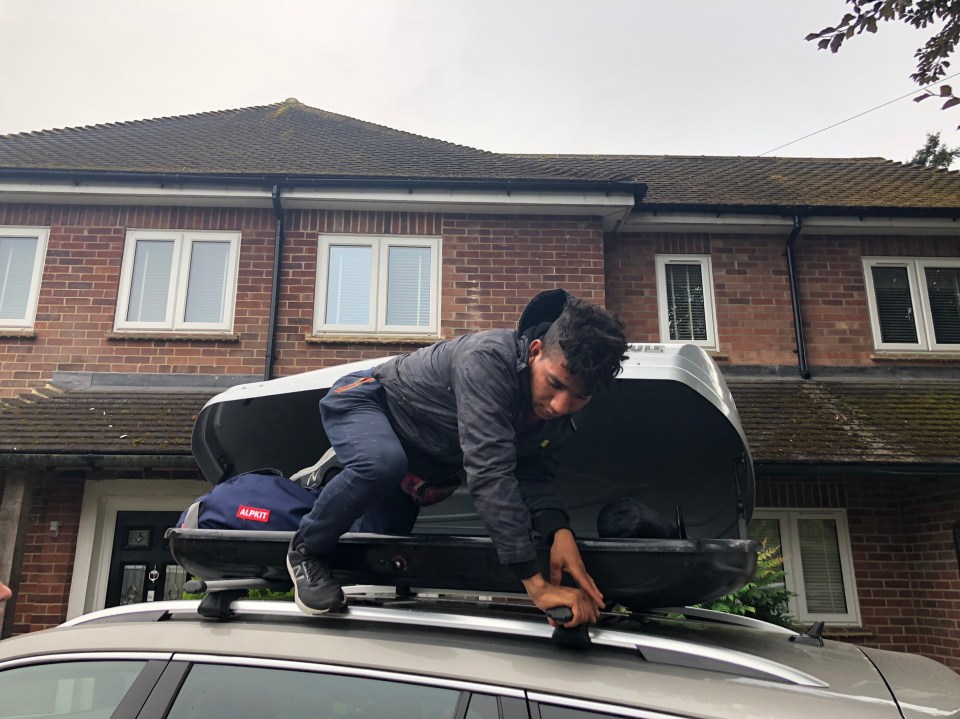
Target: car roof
[698,665]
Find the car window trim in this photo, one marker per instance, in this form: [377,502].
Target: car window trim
[322,668]
[57,658]
[136,696]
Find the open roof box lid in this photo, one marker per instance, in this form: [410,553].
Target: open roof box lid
[667,434]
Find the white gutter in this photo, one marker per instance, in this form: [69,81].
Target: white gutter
[613,208]
[641,221]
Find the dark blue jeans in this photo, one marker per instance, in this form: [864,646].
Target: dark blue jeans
[366,495]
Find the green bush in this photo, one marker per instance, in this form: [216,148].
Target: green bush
[253,594]
[765,596]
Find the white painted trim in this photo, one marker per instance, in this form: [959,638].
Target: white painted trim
[790,543]
[919,297]
[380,245]
[709,303]
[42,236]
[102,499]
[613,207]
[183,242]
[732,222]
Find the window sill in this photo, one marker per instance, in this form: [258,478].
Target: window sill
[915,356]
[174,336]
[718,356]
[413,340]
[11,333]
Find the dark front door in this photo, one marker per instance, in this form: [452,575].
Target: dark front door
[141,566]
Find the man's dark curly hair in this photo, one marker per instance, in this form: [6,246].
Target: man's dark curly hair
[592,342]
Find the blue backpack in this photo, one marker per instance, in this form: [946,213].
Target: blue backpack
[259,500]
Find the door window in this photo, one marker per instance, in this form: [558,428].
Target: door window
[213,691]
[90,689]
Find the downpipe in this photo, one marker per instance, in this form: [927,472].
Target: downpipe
[795,298]
[275,285]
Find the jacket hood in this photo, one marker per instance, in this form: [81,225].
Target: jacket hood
[542,310]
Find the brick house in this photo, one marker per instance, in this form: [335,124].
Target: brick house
[145,266]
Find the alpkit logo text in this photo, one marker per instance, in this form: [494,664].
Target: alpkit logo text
[254,514]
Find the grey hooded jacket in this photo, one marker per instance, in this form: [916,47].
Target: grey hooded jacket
[465,400]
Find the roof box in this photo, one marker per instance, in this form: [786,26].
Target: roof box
[667,433]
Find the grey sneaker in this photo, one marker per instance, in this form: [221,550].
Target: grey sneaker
[318,474]
[314,588]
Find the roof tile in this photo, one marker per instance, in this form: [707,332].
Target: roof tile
[786,422]
[291,139]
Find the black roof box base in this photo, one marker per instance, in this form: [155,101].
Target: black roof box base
[637,573]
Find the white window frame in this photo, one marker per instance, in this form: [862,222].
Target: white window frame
[793,569]
[709,305]
[380,245]
[42,235]
[923,319]
[179,278]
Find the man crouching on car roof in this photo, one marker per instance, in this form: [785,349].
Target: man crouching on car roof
[495,406]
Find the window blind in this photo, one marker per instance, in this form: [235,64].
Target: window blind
[895,312]
[943,292]
[822,574]
[150,286]
[348,285]
[408,286]
[686,312]
[17,258]
[207,285]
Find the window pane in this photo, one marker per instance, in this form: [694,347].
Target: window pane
[820,558]
[348,285]
[483,706]
[150,287]
[943,289]
[408,286]
[207,286]
[548,711]
[894,305]
[765,530]
[229,692]
[685,302]
[17,256]
[174,578]
[66,688]
[134,576]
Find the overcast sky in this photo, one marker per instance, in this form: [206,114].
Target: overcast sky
[679,77]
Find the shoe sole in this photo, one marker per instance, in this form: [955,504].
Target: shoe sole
[311,610]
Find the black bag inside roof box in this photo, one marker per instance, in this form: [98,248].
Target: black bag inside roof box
[667,434]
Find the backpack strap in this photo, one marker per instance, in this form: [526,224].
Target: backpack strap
[191,518]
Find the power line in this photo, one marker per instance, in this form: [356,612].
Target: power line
[854,117]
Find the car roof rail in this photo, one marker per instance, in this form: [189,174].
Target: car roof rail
[660,650]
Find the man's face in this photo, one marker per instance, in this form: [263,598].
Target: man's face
[554,392]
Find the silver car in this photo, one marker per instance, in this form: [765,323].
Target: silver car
[446,658]
[435,628]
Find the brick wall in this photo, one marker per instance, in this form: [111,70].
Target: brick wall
[491,267]
[43,585]
[752,291]
[904,559]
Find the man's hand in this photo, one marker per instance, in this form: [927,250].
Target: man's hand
[565,557]
[547,596]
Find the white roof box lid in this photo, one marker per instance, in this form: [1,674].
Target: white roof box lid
[667,434]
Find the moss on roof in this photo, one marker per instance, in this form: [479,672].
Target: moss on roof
[793,422]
